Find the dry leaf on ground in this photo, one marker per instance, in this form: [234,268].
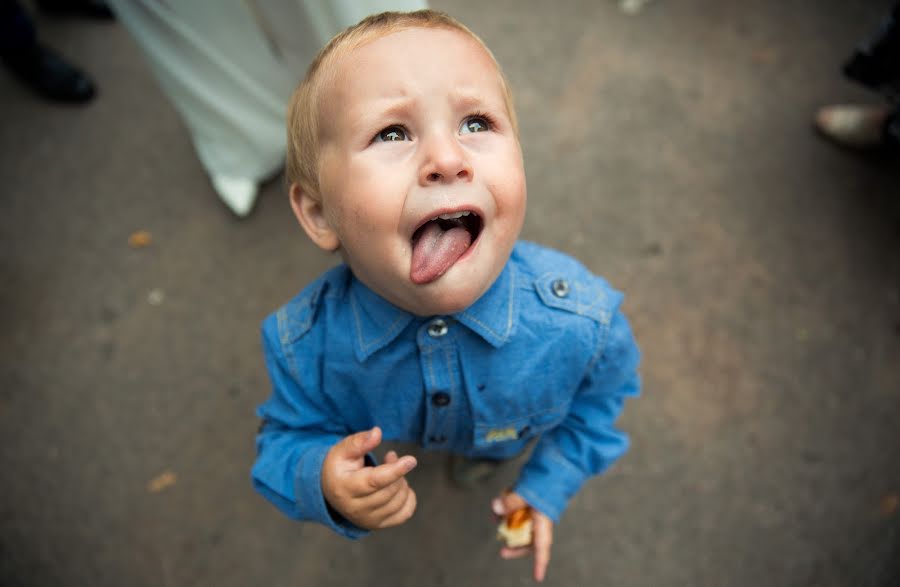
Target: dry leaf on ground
[890,503]
[140,239]
[161,482]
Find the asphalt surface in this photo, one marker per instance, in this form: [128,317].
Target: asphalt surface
[670,150]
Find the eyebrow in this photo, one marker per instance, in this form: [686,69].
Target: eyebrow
[469,99]
[459,98]
[393,108]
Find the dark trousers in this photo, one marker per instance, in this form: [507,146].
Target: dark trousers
[16,28]
[876,62]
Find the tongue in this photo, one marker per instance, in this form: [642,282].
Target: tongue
[436,250]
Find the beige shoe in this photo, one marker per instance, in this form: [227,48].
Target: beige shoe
[238,193]
[854,126]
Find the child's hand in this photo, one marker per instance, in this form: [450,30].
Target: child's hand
[542,532]
[370,497]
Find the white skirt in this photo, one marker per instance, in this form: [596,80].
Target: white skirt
[229,67]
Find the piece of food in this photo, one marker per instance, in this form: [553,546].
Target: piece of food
[515,529]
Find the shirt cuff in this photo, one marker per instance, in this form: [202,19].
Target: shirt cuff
[311,504]
[548,481]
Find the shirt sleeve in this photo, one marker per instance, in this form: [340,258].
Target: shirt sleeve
[299,427]
[585,443]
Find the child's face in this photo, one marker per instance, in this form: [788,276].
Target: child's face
[414,126]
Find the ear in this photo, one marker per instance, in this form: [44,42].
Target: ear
[311,217]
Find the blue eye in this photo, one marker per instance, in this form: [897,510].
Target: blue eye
[474,124]
[392,133]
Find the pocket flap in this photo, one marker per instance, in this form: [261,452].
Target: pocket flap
[490,434]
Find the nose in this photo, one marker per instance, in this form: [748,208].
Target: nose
[444,161]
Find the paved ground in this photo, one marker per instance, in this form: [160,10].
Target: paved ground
[670,150]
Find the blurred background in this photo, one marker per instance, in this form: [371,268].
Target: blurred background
[668,145]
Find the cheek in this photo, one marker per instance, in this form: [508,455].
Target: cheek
[509,181]
[511,192]
[333,215]
[355,221]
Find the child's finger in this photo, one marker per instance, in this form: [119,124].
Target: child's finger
[391,457]
[404,513]
[507,503]
[381,498]
[511,553]
[377,478]
[356,446]
[543,540]
[388,501]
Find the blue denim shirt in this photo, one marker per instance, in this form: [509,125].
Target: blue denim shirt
[544,353]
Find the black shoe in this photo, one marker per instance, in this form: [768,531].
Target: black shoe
[50,75]
[89,8]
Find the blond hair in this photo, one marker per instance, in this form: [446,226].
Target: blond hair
[303,110]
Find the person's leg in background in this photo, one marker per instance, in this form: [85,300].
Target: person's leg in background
[98,9]
[229,68]
[859,126]
[34,64]
[876,65]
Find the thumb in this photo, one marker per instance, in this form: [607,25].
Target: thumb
[356,446]
[507,503]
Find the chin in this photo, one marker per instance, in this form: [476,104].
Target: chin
[443,302]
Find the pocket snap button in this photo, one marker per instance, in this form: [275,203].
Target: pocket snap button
[560,288]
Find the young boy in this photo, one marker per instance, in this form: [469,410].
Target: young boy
[439,328]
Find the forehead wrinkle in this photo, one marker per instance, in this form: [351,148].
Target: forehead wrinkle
[472,91]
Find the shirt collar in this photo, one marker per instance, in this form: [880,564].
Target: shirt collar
[378,322]
[493,315]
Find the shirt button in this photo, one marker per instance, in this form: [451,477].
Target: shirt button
[437,328]
[560,288]
[440,399]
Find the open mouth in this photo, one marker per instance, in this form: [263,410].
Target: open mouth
[439,242]
[466,219]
